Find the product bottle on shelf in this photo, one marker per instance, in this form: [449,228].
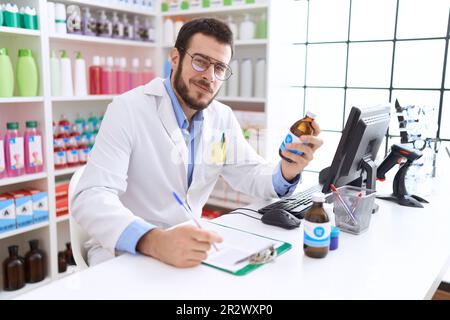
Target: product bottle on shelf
[60,18]
[108,78]
[27,74]
[104,25]
[233,27]
[169,31]
[73,19]
[59,145]
[233,82]
[247,29]
[6,74]
[2,158]
[66,75]
[260,78]
[88,23]
[178,24]
[115,73]
[80,76]
[135,74]
[73,147]
[69,255]
[13,270]
[35,263]
[128,28]
[14,150]
[55,74]
[95,76]
[137,29]
[34,156]
[149,31]
[123,76]
[62,263]
[117,25]
[148,74]
[246,83]
[261,27]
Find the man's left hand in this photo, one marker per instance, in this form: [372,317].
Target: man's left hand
[308,146]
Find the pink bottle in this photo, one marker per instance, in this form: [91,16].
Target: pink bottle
[123,76]
[2,158]
[135,74]
[14,151]
[109,77]
[147,74]
[34,156]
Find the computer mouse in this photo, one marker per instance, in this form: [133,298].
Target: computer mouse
[280,218]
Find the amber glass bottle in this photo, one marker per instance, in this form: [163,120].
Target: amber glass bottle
[35,263]
[13,270]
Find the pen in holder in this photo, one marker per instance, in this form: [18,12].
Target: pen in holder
[353,208]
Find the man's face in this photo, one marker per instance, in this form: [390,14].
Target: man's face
[198,89]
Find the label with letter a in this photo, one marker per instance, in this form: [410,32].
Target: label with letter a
[317,235]
[291,138]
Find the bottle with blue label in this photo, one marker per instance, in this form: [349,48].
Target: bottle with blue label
[317,229]
[298,129]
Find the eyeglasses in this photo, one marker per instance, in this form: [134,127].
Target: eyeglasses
[201,63]
[421,144]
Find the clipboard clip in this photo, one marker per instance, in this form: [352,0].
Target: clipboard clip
[261,257]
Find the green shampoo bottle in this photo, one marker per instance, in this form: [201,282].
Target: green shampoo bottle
[6,74]
[27,74]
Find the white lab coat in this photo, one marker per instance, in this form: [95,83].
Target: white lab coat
[140,158]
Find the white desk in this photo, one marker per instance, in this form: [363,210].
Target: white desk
[403,255]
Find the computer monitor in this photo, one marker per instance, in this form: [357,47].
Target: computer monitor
[354,160]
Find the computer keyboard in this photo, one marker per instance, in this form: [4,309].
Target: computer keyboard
[296,204]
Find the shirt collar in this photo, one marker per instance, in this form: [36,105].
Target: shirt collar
[179,114]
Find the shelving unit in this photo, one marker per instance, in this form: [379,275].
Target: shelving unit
[45,108]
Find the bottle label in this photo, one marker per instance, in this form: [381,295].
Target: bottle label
[35,151]
[83,154]
[16,153]
[72,156]
[317,235]
[291,138]
[60,158]
[2,157]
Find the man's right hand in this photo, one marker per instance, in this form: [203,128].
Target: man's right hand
[185,246]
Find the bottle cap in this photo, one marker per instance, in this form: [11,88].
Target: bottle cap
[334,232]
[31,124]
[96,60]
[25,53]
[318,197]
[3,51]
[311,115]
[148,63]
[78,55]
[64,54]
[12,126]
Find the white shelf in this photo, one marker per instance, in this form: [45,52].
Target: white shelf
[62,218]
[100,97]
[23,230]
[241,99]
[70,270]
[7,295]
[99,40]
[225,9]
[24,178]
[66,171]
[113,7]
[20,31]
[21,99]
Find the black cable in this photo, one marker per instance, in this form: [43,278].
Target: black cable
[244,214]
[246,209]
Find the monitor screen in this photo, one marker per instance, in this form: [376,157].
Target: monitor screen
[353,162]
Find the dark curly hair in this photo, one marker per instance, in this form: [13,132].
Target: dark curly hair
[206,26]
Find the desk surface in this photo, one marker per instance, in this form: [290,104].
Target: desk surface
[403,255]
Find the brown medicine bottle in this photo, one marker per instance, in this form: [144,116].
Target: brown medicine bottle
[35,263]
[13,270]
[300,128]
[62,263]
[69,255]
[317,229]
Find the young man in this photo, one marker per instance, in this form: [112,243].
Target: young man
[172,136]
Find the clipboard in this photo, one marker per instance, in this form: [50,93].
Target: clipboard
[255,241]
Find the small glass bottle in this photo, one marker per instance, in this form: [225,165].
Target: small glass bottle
[68,254]
[298,129]
[317,229]
[35,263]
[13,270]
[62,263]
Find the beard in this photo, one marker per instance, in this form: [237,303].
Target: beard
[183,91]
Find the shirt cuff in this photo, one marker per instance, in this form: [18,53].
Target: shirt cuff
[132,234]
[281,186]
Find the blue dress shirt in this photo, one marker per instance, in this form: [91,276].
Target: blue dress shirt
[130,237]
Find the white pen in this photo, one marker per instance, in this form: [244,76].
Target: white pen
[190,214]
